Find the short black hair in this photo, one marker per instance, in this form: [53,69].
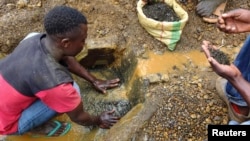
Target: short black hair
[63,19]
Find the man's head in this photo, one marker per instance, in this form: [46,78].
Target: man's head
[67,27]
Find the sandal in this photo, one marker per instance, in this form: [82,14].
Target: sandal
[214,17]
[233,115]
[51,129]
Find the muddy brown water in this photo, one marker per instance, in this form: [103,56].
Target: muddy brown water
[154,64]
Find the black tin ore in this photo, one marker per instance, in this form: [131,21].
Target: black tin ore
[220,56]
[151,1]
[160,11]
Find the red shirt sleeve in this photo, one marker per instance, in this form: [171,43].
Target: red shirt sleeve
[62,98]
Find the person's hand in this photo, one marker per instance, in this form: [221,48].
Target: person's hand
[225,71]
[103,85]
[107,119]
[235,21]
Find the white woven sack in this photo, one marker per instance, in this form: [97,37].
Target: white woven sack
[167,32]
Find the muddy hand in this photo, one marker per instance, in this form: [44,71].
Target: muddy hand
[107,119]
[225,71]
[205,47]
[103,85]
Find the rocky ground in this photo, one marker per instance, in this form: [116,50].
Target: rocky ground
[189,101]
[189,104]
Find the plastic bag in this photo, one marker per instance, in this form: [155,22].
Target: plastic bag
[167,32]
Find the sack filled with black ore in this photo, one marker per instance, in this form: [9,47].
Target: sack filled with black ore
[160,11]
[220,56]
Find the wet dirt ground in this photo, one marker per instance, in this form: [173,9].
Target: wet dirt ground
[188,101]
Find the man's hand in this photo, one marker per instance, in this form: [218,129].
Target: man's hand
[103,85]
[79,70]
[107,119]
[225,71]
[235,21]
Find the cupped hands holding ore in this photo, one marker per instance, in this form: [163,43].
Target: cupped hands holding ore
[219,61]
